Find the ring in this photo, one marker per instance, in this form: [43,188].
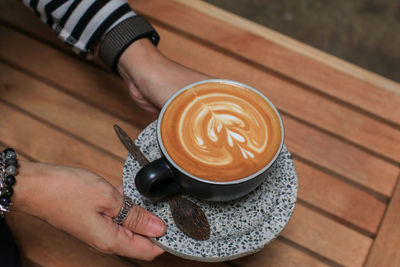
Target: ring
[123,213]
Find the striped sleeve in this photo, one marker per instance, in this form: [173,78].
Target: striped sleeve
[81,23]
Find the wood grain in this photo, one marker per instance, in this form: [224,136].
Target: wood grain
[94,126]
[385,250]
[211,27]
[47,246]
[326,237]
[289,97]
[44,143]
[279,254]
[301,102]
[25,122]
[348,240]
[70,114]
[367,169]
[58,109]
[337,198]
[293,44]
[57,137]
[340,157]
[50,137]
[23,18]
[169,260]
[98,88]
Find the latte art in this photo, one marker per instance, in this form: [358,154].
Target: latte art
[228,123]
[220,131]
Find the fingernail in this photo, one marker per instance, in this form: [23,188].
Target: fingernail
[156,227]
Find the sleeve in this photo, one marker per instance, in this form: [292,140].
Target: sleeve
[84,24]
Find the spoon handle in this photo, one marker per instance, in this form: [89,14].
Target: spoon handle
[153,174]
[130,146]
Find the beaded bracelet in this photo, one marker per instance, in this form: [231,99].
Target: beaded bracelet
[8,170]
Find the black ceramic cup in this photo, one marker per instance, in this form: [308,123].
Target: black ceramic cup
[163,177]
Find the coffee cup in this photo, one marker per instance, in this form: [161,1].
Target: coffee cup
[218,139]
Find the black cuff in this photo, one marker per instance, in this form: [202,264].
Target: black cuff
[121,36]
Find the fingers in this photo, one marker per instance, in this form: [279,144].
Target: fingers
[129,239]
[138,247]
[114,239]
[138,220]
[144,222]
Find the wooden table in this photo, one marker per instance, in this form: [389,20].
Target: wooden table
[342,126]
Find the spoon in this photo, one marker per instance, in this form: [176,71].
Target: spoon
[187,215]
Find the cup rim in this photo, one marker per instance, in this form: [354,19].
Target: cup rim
[203,180]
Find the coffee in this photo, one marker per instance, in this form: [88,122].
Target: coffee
[220,131]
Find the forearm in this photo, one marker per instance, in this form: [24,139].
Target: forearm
[31,179]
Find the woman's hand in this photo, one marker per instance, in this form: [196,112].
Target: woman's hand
[151,77]
[83,204]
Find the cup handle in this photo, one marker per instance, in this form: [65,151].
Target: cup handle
[157,180]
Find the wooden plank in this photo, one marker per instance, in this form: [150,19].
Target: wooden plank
[66,112]
[93,125]
[63,108]
[106,91]
[385,250]
[334,255]
[293,44]
[363,169]
[47,246]
[25,122]
[356,127]
[340,157]
[280,52]
[46,144]
[352,162]
[288,97]
[338,198]
[220,28]
[169,260]
[59,68]
[326,237]
[19,82]
[278,254]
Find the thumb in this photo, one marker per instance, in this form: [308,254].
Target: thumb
[141,221]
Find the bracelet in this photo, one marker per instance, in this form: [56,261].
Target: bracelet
[8,170]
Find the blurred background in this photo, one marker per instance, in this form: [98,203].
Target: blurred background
[363,32]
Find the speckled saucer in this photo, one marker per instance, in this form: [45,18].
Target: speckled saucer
[238,227]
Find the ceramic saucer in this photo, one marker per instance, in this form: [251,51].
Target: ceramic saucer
[238,227]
